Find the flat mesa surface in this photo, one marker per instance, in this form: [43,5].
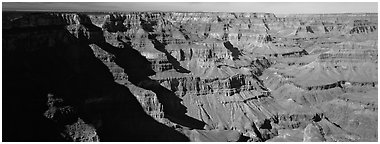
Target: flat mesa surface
[190,76]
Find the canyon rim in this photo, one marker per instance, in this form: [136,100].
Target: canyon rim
[189,76]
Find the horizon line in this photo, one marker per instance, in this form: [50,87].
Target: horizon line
[236,7]
[112,11]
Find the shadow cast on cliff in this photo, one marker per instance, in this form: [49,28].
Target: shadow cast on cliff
[147,26]
[235,51]
[138,68]
[69,69]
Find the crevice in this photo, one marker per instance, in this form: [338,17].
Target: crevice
[70,70]
[147,26]
[235,51]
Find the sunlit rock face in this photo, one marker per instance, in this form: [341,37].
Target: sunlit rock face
[193,76]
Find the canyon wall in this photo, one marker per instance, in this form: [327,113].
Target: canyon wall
[170,76]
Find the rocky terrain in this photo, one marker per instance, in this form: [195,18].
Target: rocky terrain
[172,76]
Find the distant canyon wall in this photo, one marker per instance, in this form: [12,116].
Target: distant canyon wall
[250,76]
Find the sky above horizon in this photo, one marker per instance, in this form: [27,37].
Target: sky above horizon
[268,7]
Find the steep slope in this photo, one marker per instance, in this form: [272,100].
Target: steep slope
[155,76]
[62,66]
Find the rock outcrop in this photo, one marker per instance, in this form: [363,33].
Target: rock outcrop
[170,76]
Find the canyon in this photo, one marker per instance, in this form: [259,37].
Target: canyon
[189,76]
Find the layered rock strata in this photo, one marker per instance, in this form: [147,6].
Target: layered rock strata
[193,76]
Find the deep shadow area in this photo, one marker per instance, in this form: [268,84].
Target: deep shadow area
[114,23]
[235,51]
[68,69]
[317,118]
[138,69]
[161,47]
[296,53]
[148,27]
[266,125]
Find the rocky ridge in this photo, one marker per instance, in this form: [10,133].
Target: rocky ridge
[201,76]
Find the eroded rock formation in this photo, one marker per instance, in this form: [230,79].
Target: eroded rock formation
[168,76]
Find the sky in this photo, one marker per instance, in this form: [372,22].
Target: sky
[269,7]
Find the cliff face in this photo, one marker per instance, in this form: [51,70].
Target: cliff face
[192,76]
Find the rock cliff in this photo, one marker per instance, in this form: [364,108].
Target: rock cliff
[171,76]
